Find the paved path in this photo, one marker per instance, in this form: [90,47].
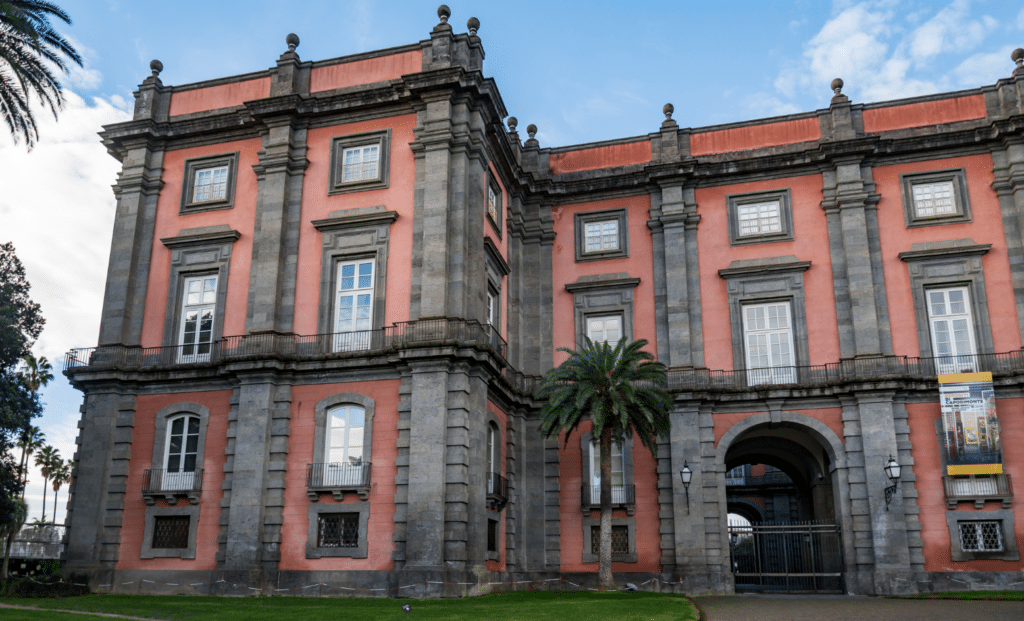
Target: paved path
[76,612]
[854,607]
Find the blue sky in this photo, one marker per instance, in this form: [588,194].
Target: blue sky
[581,72]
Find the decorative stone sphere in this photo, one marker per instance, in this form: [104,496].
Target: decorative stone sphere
[473,24]
[837,85]
[443,12]
[531,129]
[156,67]
[1017,55]
[668,109]
[512,122]
[292,40]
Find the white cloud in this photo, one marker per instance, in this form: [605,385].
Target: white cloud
[1020,20]
[984,68]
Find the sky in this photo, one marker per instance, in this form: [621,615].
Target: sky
[581,72]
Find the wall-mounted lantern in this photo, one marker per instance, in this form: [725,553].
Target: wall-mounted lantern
[892,470]
[686,474]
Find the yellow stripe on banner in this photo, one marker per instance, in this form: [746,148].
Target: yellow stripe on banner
[958,378]
[975,469]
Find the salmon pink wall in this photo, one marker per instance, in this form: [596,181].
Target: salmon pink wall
[986,228]
[600,157]
[501,241]
[223,96]
[316,205]
[831,417]
[499,565]
[931,498]
[365,71]
[755,136]
[134,516]
[810,243]
[645,480]
[638,265]
[169,222]
[924,113]
[381,525]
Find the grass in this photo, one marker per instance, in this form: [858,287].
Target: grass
[10,614]
[518,606]
[1006,596]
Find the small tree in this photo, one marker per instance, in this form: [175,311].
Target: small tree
[12,516]
[31,440]
[61,474]
[619,391]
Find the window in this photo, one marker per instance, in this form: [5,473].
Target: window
[949,315]
[171,531]
[494,204]
[620,539]
[359,162]
[344,448]
[337,530]
[606,329]
[492,536]
[981,536]
[618,475]
[354,305]
[623,540]
[760,218]
[493,449]
[197,313]
[181,454]
[209,183]
[935,198]
[769,341]
[601,235]
[491,308]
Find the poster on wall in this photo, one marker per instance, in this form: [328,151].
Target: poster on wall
[969,424]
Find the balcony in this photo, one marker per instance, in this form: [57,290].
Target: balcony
[337,479]
[978,489]
[623,496]
[170,486]
[497,491]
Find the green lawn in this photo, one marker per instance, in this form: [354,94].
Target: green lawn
[1012,596]
[519,606]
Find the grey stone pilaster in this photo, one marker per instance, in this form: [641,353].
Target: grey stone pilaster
[552,527]
[277,470]
[402,443]
[530,321]
[675,223]
[514,287]
[514,419]
[533,499]
[291,77]
[1008,168]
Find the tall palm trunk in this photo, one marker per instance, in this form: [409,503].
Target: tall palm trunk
[45,479]
[22,466]
[7,556]
[604,579]
[55,505]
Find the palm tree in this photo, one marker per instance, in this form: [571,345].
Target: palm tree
[61,474]
[29,45]
[36,372]
[10,523]
[619,391]
[30,441]
[46,459]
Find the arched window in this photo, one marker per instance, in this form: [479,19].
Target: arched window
[180,454]
[343,447]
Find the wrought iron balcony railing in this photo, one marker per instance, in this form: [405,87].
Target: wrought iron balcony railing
[497,491]
[338,478]
[622,496]
[978,489]
[172,485]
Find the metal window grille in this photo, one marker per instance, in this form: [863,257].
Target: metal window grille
[981,536]
[933,199]
[492,535]
[171,531]
[620,540]
[337,530]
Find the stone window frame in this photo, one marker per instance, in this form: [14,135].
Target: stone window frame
[603,295]
[492,183]
[359,551]
[162,421]
[148,551]
[197,252]
[497,269]
[945,264]
[320,421]
[495,554]
[961,199]
[338,146]
[619,214]
[735,201]
[351,235]
[1009,552]
[627,467]
[628,522]
[760,281]
[195,164]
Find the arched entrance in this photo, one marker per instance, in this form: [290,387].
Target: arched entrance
[780,483]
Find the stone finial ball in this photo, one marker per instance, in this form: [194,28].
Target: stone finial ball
[531,129]
[512,122]
[837,85]
[443,12]
[292,40]
[156,66]
[473,24]
[668,109]
[1017,55]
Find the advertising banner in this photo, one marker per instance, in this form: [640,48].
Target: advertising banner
[969,423]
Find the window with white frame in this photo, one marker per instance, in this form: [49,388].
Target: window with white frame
[933,199]
[768,333]
[601,236]
[197,313]
[951,324]
[981,536]
[353,305]
[210,184]
[360,163]
[343,450]
[493,456]
[618,477]
[760,218]
[607,329]
[180,453]
[491,308]
[494,204]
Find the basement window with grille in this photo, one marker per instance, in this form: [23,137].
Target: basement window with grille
[620,540]
[623,540]
[982,535]
[171,531]
[337,530]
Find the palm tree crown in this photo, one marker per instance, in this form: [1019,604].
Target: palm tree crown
[619,390]
[30,440]
[29,47]
[47,459]
[35,372]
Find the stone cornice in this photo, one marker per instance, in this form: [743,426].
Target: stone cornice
[494,253]
[205,236]
[773,265]
[949,248]
[601,282]
[361,217]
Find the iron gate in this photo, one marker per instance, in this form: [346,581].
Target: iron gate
[787,556]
